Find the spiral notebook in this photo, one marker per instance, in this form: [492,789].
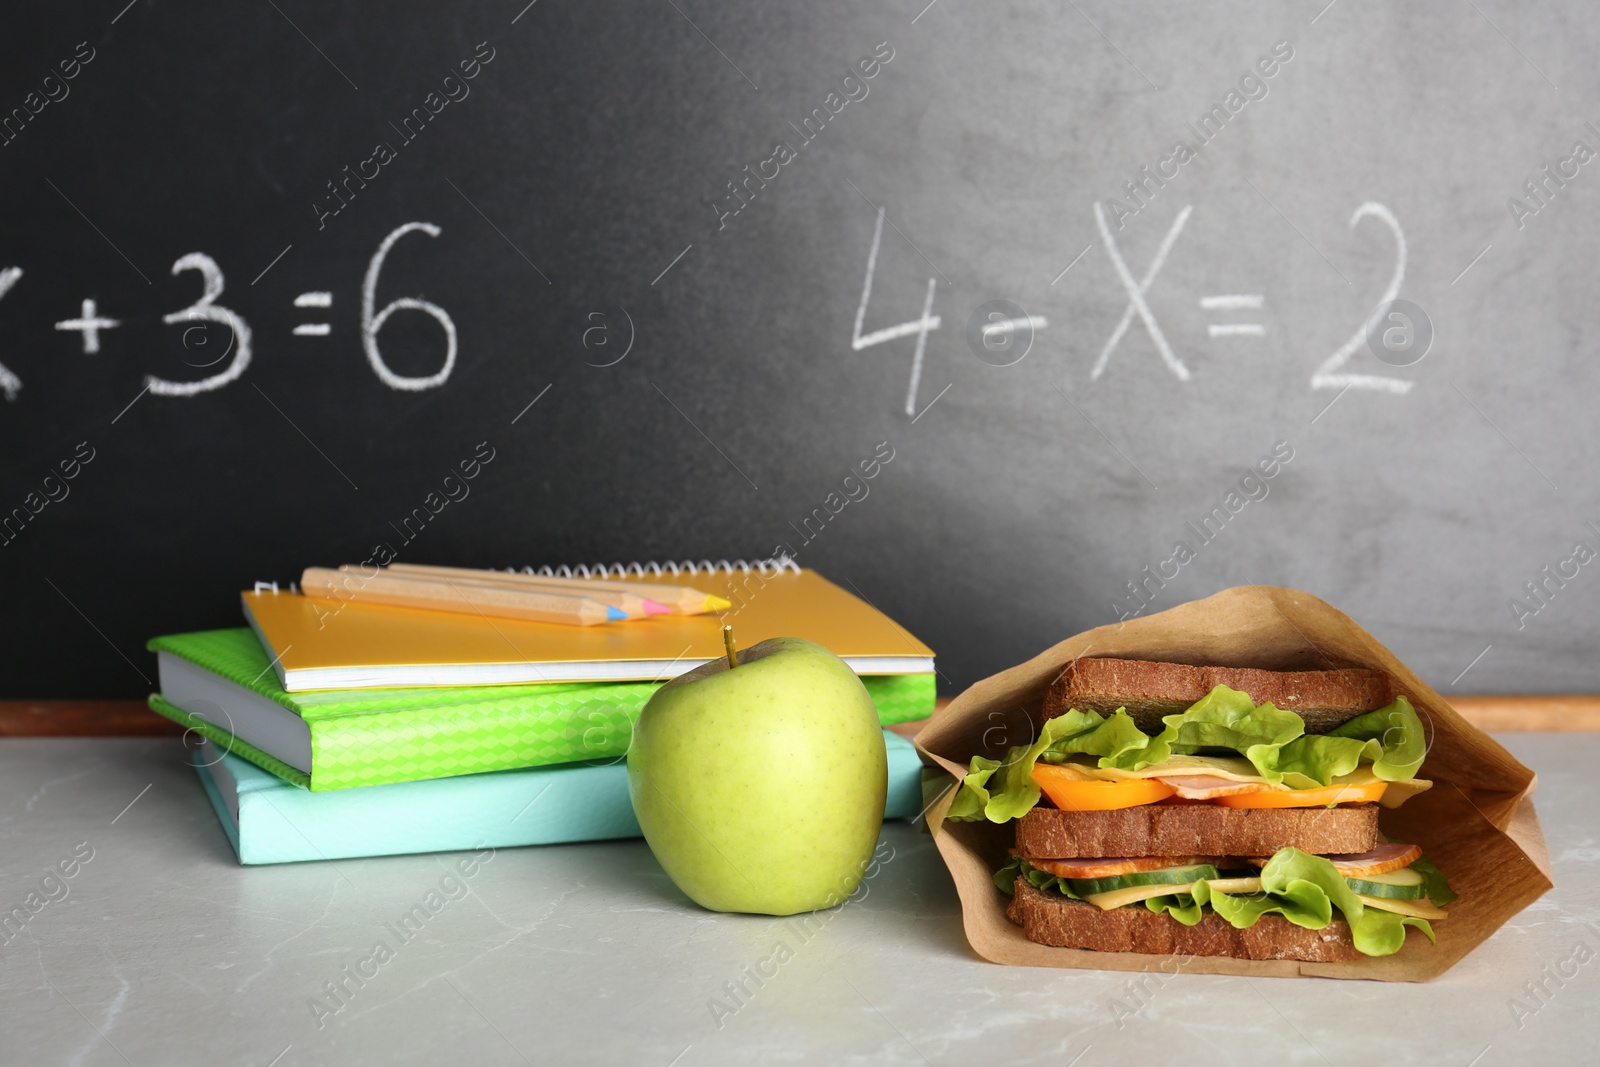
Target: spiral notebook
[321,644]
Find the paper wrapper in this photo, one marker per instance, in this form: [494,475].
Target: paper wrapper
[1477,823]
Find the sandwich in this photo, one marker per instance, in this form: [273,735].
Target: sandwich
[1167,808]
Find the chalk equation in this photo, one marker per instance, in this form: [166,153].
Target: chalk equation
[94,327]
[1001,328]
[1000,333]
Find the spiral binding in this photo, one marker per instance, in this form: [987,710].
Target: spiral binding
[763,567]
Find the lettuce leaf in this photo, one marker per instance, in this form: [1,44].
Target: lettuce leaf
[972,796]
[1228,719]
[1391,739]
[1183,907]
[1434,883]
[1303,889]
[1394,736]
[1223,720]
[1089,733]
[1295,891]
[1317,759]
[1005,879]
[1001,790]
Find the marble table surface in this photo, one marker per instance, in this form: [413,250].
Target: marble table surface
[160,949]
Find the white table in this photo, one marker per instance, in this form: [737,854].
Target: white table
[164,951]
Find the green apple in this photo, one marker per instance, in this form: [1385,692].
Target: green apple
[760,787]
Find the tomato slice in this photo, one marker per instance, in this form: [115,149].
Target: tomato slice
[1070,793]
[1306,798]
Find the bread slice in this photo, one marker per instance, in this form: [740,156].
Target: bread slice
[1150,690]
[1196,830]
[1052,919]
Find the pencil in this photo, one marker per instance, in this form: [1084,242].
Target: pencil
[633,604]
[683,599]
[462,597]
[678,599]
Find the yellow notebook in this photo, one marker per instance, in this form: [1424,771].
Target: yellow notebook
[329,644]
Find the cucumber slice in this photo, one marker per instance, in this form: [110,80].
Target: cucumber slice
[1404,876]
[1165,876]
[1367,887]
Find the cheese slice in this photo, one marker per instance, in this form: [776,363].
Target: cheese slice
[1113,867]
[1420,909]
[1116,898]
[1233,768]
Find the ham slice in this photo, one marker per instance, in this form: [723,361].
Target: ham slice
[1110,868]
[1207,786]
[1385,856]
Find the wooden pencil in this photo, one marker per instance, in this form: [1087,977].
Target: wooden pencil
[680,599]
[683,599]
[462,597]
[632,604]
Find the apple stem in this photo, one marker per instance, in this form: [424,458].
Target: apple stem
[727,642]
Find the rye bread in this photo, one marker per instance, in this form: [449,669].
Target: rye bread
[1195,830]
[1052,919]
[1150,690]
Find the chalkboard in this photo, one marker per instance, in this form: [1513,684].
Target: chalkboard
[1123,304]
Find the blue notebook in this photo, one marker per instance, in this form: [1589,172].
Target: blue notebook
[270,820]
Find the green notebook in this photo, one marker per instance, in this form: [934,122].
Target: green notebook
[221,684]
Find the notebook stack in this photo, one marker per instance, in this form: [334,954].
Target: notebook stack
[335,726]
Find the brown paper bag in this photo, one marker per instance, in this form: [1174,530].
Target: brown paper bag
[1477,823]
